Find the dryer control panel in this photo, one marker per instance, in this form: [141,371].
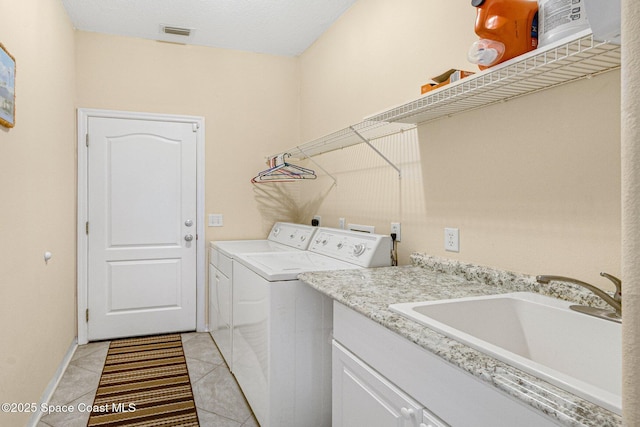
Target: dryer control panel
[295,235]
[362,249]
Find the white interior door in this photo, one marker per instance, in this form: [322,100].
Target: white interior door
[141,187]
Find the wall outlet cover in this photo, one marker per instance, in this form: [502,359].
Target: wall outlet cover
[395,228]
[452,239]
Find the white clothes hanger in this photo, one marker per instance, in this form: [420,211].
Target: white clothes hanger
[281,171]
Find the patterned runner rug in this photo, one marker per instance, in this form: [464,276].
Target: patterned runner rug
[145,383]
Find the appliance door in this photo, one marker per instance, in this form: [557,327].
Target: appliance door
[251,339]
[220,277]
[220,312]
[231,248]
[286,266]
[281,349]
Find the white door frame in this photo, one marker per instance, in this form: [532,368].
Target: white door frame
[82,255]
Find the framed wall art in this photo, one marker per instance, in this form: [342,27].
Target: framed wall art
[7,88]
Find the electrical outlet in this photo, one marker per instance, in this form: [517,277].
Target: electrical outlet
[341,223]
[395,228]
[452,239]
[318,218]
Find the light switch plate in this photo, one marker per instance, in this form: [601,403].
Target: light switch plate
[215,220]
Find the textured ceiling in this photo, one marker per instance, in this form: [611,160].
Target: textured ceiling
[278,27]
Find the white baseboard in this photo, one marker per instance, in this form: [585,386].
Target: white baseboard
[53,384]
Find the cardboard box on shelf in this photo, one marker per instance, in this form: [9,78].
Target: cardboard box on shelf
[445,78]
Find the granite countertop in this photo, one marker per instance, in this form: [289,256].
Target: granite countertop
[370,291]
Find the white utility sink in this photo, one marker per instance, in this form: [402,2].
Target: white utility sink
[538,334]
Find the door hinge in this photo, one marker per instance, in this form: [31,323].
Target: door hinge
[195,127]
[86,314]
[196,237]
[86,140]
[86,227]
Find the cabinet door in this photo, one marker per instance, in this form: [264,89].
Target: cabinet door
[361,397]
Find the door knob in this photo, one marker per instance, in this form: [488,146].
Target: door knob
[188,237]
[188,223]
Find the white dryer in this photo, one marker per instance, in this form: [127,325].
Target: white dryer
[282,327]
[284,237]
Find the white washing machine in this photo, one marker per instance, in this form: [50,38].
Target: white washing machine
[282,327]
[284,237]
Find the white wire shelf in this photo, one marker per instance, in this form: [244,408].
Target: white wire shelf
[352,135]
[540,69]
[553,65]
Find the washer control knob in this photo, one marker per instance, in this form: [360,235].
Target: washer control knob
[359,249]
[276,231]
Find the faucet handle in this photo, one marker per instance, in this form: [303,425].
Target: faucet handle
[618,295]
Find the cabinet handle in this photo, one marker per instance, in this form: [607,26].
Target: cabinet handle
[407,413]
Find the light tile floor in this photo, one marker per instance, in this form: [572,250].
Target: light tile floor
[218,398]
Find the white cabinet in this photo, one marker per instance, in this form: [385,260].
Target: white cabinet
[220,299]
[362,397]
[381,372]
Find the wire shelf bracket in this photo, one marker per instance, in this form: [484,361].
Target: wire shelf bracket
[363,132]
[301,150]
[366,141]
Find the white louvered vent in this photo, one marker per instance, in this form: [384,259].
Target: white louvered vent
[176,31]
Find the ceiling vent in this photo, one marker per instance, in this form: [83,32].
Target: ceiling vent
[176,31]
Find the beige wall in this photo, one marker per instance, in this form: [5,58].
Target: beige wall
[377,55]
[249,101]
[631,212]
[37,202]
[538,193]
[533,184]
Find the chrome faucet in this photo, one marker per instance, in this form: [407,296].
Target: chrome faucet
[615,302]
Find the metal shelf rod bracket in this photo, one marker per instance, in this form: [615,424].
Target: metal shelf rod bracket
[366,141]
[335,181]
